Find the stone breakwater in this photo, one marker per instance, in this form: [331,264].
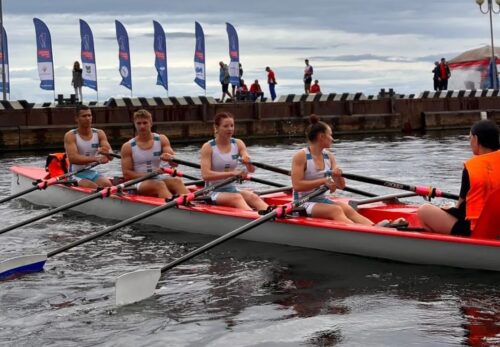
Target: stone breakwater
[28,126]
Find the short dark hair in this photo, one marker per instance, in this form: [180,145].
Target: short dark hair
[80,107]
[488,134]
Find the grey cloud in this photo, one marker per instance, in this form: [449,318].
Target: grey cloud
[360,57]
[175,35]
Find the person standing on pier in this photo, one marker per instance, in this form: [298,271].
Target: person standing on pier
[77,81]
[444,74]
[308,72]
[143,154]
[84,146]
[224,80]
[271,80]
[435,77]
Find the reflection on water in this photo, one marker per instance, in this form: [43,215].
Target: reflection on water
[244,293]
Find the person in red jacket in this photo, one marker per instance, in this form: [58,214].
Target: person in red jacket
[271,80]
[315,88]
[256,91]
[480,179]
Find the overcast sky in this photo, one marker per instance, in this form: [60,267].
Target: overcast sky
[353,45]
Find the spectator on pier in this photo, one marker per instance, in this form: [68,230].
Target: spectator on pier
[315,88]
[143,154]
[256,91]
[444,74]
[85,145]
[480,178]
[308,72]
[77,81]
[435,77]
[271,80]
[240,76]
[242,91]
[224,80]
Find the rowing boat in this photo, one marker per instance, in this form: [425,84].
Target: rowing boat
[370,241]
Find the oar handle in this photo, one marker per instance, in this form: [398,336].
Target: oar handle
[420,190]
[186,163]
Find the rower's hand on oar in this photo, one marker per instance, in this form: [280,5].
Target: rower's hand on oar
[247,161]
[330,183]
[102,159]
[169,157]
[105,152]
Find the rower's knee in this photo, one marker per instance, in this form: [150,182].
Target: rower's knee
[336,212]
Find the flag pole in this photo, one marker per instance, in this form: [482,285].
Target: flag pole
[4,84]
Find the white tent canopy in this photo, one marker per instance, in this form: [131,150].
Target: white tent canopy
[471,69]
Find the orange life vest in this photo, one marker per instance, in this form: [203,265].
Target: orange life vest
[56,165]
[484,178]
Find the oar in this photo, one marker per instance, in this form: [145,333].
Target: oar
[139,285]
[356,203]
[248,177]
[105,192]
[425,191]
[43,184]
[34,263]
[289,173]
[274,190]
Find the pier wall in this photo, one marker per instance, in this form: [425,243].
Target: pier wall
[27,126]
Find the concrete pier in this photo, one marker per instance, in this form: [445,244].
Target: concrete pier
[28,126]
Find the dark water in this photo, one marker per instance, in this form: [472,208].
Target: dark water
[244,293]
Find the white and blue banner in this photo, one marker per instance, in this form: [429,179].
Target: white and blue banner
[234,55]
[89,73]
[4,62]
[44,55]
[123,55]
[160,48]
[199,57]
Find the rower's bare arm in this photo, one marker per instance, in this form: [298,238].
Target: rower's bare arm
[336,173]
[128,163]
[104,147]
[72,151]
[206,166]
[245,157]
[167,152]
[299,184]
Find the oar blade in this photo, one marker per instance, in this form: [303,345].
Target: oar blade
[18,266]
[136,286]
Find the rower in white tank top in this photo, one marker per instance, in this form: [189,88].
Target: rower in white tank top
[224,162]
[312,173]
[146,160]
[88,148]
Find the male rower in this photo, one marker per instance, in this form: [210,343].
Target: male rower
[84,146]
[143,154]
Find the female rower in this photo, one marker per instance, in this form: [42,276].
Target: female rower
[480,179]
[315,166]
[220,159]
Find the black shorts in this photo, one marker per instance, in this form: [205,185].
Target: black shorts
[225,87]
[462,226]
[308,80]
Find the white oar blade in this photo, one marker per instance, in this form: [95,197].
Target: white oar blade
[136,286]
[20,265]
